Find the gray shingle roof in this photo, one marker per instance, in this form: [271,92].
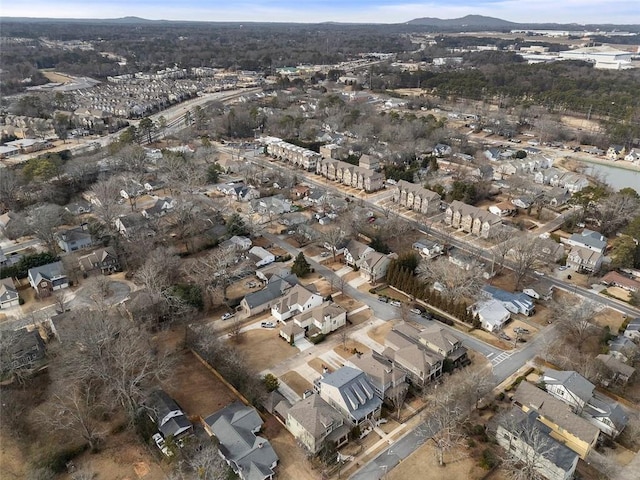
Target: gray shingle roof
[572,381]
[355,389]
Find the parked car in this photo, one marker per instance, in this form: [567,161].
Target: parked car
[562,268]
[382,298]
[268,325]
[395,303]
[227,316]
[416,311]
[504,336]
[162,445]
[521,330]
[325,254]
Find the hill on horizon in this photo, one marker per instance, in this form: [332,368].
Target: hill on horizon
[466,21]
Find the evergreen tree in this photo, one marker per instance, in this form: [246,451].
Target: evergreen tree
[300,266]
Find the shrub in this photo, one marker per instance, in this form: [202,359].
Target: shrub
[488,460]
[316,339]
[500,396]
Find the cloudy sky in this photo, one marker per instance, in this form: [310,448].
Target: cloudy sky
[358,11]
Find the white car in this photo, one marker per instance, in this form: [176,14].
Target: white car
[395,303]
[161,444]
[268,325]
[226,316]
[416,311]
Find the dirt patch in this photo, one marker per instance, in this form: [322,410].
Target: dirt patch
[391,293]
[264,348]
[423,464]
[197,389]
[347,302]
[350,346]
[318,364]
[296,382]
[380,332]
[292,461]
[491,339]
[619,293]
[242,287]
[323,287]
[56,77]
[12,459]
[542,316]
[313,250]
[360,317]
[610,318]
[506,281]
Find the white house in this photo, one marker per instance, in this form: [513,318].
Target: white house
[297,300]
[324,318]
[492,314]
[261,256]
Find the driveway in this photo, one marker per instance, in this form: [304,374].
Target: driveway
[85,296]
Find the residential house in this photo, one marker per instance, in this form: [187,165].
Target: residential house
[442,150]
[159,208]
[547,175]
[292,332]
[238,243]
[153,185]
[76,238]
[273,206]
[584,260]
[633,329]
[441,341]
[298,156]
[325,318]
[416,197]
[514,302]
[9,296]
[374,265]
[462,260]
[540,290]
[492,314]
[568,428]
[428,248]
[351,393]
[21,349]
[594,241]
[528,439]
[277,269]
[557,196]
[355,252]
[633,156]
[313,423]
[550,250]
[357,177]
[262,300]
[385,378]
[47,278]
[502,209]
[168,416]
[331,151]
[623,349]
[405,350]
[236,429]
[296,300]
[580,394]
[618,280]
[617,371]
[132,224]
[261,257]
[78,208]
[103,260]
[301,191]
[573,182]
[522,201]
[614,152]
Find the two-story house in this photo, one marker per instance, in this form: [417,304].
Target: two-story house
[296,300]
[324,318]
[441,341]
[428,248]
[103,260]
[514,302]
[525,437]
[385,377]
[568,428]
[590,239]
[584,260]
[76,238]
[47,278]
[168,415]
[313,422]
[9,296]
[350,392]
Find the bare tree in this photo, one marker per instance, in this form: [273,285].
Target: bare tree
[574,319]
[62,300]
[615,211]
[200,462]
[526,448]
[398,396]
[502,238]
[9,188]
[43,221]
[117,354]
[476,381]
[456,282]
[445,415]
[215,270]
[106,193]
[526,254]
[75,409]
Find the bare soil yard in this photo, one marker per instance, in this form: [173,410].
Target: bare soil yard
[610,318]
[296,382]
[346,302]
[360,317]
[350,346]
[380,332]
[196,388]
[317,364]
[292,461]
[263,348]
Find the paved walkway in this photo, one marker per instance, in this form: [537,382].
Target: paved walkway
[632,470]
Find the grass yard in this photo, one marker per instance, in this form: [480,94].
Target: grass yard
[264,348]
[619,293]
[317,364]
[296,382]
[347,302]
[491,339]
[196,388]
[610,318]
[360,317]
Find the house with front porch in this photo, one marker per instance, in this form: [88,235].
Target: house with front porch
[584,260]
[492,314]
[297,299]
[324,318]
[385,377]
[103,260]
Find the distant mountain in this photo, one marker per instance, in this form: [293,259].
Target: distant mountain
[464,22]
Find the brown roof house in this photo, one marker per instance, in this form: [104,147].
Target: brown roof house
[103,260]
[385,378]
[48,278]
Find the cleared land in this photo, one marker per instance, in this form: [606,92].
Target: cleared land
[296,382]
[263,348]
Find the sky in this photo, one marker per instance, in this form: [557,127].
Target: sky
[315,11]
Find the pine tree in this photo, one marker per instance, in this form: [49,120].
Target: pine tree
[300,266]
